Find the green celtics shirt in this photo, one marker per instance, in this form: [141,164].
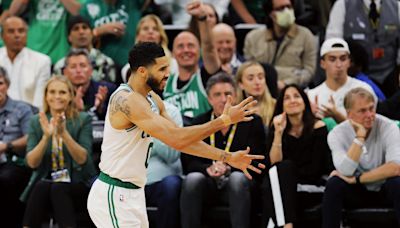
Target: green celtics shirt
[191,99]
[48,28]
[100,12]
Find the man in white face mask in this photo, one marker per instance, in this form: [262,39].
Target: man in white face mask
[289,47]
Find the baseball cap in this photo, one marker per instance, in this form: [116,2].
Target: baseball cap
[76,20]
[334,44]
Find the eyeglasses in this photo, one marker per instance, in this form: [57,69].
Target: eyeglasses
[280,8]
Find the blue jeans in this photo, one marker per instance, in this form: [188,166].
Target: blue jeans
[165,195]
[197,188]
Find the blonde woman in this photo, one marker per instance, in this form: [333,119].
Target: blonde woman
[59,151]
[251,82]
[149,29]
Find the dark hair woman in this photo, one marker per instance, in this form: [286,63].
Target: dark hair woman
[299,154]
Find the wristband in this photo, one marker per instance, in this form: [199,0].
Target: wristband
[226,119]
[277,145]
[358,142]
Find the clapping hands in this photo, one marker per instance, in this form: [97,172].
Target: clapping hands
[56,125]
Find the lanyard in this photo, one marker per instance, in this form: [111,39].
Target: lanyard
[230,137]
[57,152]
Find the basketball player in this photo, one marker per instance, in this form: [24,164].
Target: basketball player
[135,115]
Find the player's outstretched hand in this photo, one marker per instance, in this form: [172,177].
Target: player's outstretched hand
[240,112]
[243,160]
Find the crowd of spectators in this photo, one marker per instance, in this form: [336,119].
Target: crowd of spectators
[61,60]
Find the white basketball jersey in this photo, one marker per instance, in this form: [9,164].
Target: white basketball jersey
[125,152]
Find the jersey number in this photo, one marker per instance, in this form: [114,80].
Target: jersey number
[148,154]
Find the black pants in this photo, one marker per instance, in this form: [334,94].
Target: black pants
[13,180]
[64,200]
[339,194]
[293,202]
[200,192]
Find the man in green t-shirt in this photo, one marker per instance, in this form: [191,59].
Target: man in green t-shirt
[47,21]
[114,23]
[185,86]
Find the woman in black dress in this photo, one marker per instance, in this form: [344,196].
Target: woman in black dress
[298,153]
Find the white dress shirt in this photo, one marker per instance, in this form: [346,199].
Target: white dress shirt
[28,74]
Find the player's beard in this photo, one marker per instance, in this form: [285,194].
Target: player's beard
[154,84]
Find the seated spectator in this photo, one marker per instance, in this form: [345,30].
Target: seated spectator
[224,40]
[185,86]
[149,29]
[14,176]
[359,66]
[289,47]
[47,24]
[80,36]
[163,185]
[211,17]
[298,149]
[28,70]
[366,154]
[376,25]
[209,183]
[59,151]
[251,82]
[327,98]
[91,96]
[114,24]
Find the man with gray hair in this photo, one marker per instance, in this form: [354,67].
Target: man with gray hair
[14,125]
[91,96]
[215,180]
[366,154]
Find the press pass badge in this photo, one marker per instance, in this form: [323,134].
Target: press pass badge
[61,176]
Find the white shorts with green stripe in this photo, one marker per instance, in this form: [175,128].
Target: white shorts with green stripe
[113,206]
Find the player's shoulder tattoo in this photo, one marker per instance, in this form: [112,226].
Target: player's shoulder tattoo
[120,103]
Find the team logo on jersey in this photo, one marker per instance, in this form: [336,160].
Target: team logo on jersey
[93,10]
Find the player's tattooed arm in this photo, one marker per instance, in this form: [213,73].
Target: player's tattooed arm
[120,103]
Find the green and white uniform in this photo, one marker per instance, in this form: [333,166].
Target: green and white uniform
[191,99]
[117,196]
